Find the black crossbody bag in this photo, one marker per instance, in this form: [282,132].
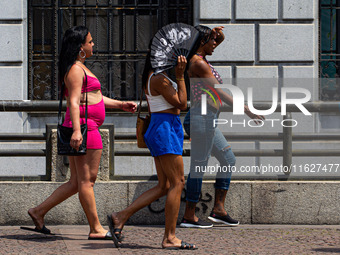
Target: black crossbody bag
[64,134]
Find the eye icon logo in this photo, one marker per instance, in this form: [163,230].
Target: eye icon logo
[211,95]
[204,98]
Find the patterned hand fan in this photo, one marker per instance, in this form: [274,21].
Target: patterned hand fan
[170,42]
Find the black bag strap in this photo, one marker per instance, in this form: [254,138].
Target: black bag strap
[140,101]
[61,99]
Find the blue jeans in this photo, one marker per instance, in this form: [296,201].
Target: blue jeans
[206,140]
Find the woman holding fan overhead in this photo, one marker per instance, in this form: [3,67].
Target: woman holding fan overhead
[164,137]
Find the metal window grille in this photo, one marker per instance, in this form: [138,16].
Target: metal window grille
[121,30]
[329,57]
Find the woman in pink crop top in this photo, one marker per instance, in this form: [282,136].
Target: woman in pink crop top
[77,45]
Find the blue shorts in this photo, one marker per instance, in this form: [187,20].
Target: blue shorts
[164,135]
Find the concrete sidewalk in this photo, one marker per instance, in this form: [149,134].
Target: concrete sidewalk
[245,239]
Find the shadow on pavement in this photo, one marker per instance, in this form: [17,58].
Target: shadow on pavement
[90,246]
[38,237]
[34,237]
[331,250]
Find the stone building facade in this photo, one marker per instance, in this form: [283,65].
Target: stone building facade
[276,40]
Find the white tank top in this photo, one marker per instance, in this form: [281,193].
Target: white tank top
[158,103]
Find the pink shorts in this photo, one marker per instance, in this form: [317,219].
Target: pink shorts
[95,118]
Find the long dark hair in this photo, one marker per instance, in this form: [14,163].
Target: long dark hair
[73,39]
[204,34]
[147,66]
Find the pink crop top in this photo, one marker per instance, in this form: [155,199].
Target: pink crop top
[92,84]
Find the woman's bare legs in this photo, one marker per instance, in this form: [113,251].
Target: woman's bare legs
[174,171]
[84,170]
[145,199]
[87,170]
[59,195]
[170,172]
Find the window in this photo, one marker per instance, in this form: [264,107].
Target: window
[329,50]
[121,30]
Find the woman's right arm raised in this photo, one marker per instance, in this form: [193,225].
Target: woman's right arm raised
[179,98]
[74,81]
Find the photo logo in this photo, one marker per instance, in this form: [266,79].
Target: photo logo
[300,96]
[239,102]
[204,98]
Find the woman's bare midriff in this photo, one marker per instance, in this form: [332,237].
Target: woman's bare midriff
[212,104]
[93,97]
[172,111]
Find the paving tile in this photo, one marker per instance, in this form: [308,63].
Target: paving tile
[245,239]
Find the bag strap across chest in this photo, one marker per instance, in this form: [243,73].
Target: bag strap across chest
[61,99]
